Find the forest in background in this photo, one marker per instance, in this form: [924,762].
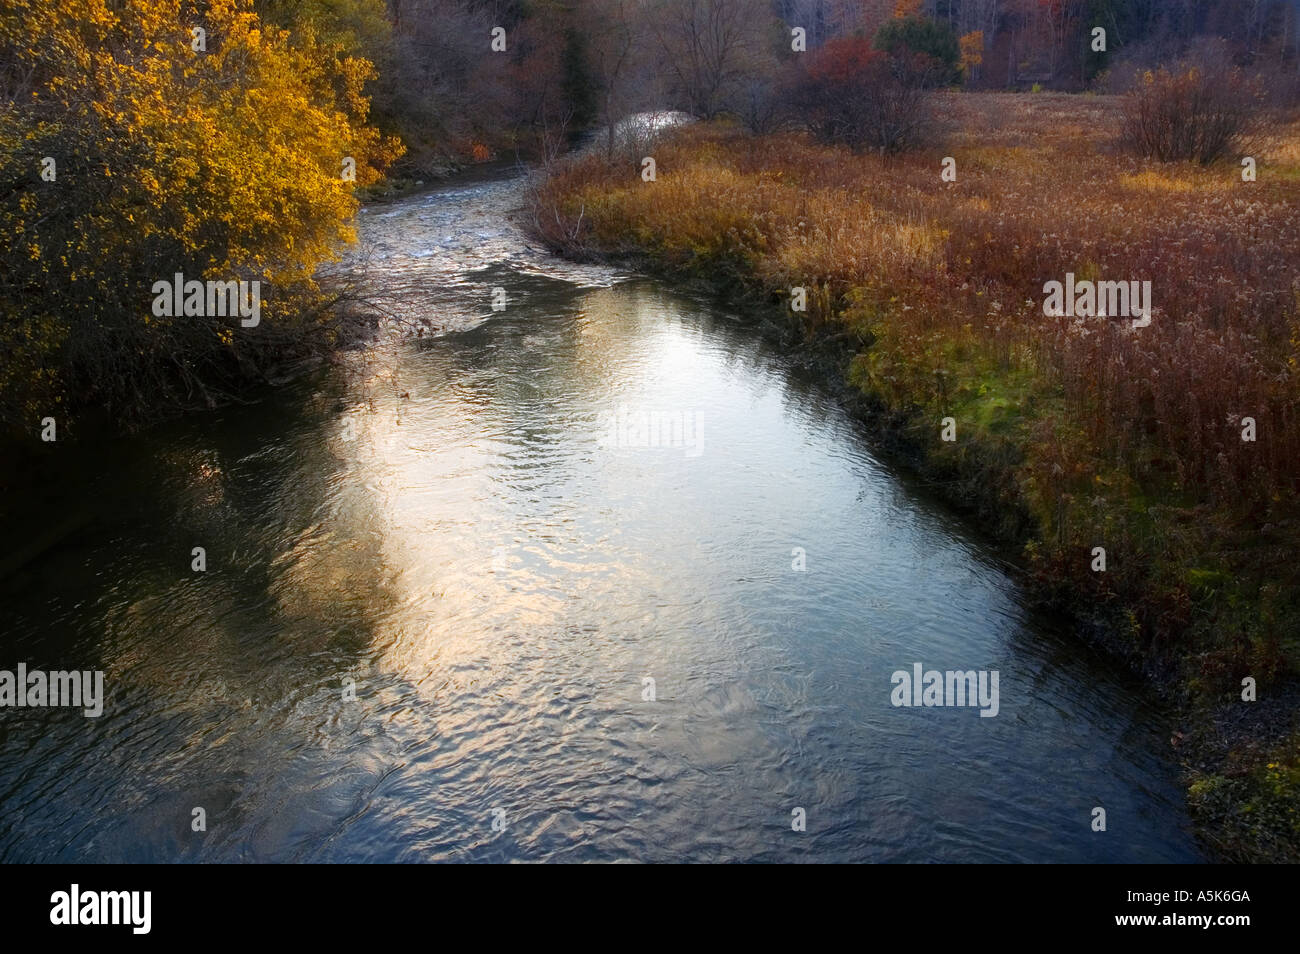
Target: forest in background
[570,66]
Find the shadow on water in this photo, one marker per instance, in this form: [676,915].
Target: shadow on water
[196,665]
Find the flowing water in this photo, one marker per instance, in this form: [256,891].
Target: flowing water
[478,535]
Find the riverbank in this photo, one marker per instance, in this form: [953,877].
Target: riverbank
[1174,447]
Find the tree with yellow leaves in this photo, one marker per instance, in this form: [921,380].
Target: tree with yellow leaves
[144,138]
[972,53]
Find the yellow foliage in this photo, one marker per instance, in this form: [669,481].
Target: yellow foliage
[972,49]
[221,163]
[1153,181]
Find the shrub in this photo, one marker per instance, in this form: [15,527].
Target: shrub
[762,105]
[1189,114]
[862,97]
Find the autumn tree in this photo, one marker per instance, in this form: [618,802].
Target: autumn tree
[144,138]
[972,53]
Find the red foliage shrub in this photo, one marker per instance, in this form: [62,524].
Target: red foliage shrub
[853,94]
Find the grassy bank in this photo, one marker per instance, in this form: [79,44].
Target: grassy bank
[1175,446]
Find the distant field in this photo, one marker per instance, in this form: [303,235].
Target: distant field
[1174,446]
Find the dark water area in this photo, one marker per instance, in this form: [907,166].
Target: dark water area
[496,535]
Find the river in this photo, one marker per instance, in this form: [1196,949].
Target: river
[460,603]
